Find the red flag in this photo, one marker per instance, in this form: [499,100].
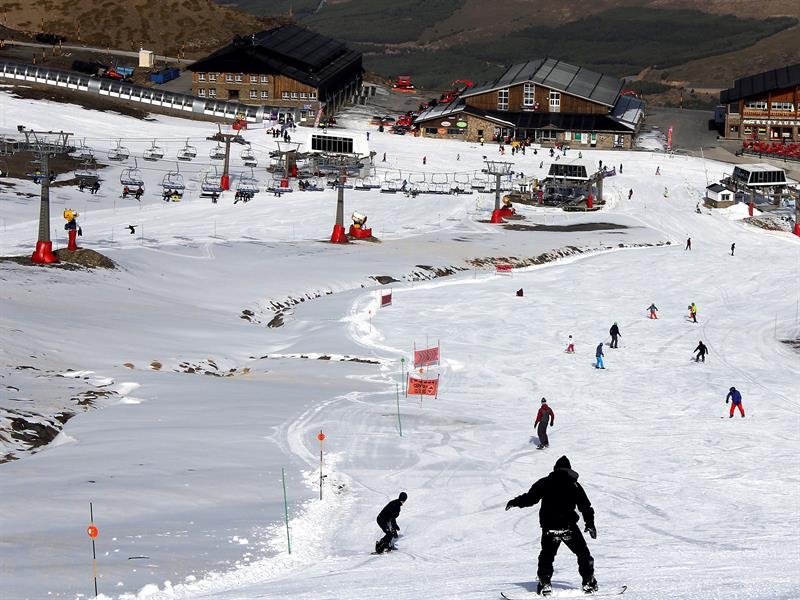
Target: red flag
[386,299]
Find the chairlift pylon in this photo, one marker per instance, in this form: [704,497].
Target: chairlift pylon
[153,153]
[132,176]
[187,152]
[119,152]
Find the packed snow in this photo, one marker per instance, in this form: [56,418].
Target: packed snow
[196,419]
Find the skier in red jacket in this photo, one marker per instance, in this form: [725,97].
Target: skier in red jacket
[544,416]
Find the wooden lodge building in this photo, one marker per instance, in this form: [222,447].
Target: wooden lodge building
[290,70]
[544,100]
[764,106]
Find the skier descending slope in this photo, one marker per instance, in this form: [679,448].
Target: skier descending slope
[560,494]
[544,415]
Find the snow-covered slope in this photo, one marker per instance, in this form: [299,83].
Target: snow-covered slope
[185,469]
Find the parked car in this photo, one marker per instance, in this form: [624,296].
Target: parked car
[50,38]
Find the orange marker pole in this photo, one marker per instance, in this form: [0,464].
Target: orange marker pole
[321,438]
[93,531]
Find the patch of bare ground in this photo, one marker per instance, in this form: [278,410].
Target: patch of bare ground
[82,258]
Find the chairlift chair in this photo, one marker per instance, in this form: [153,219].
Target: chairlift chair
[118,153]
[173,181]
[85,152]
[249,157]
[217,152]
[187,152]
[132,176]
[211,183]
[153,153]
[86,173]
[247,184]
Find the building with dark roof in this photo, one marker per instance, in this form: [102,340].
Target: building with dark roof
[291,70]
[545,101]
[764,106]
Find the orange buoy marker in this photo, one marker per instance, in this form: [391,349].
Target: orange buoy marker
[92,531]
[321,438]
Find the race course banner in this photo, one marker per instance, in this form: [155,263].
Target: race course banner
[428,356]
[423,387]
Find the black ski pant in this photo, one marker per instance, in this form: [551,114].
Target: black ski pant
[390,534]
[541,431]
[614,341]
[573,538]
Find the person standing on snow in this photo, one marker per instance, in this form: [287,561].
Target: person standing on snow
[688,244]
[693,312]
[570,345]
[387,521]
[701,350]
[541,424]
[599,356]
[733,247]
[560,494]
[735,398]
[653,310]
[615,335]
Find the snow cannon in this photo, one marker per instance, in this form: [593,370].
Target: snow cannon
[72,228]
[507,210]
[358,229]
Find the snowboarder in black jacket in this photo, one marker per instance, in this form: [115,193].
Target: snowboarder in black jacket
[560,494]
[614,331]
[701,350]
[387,521]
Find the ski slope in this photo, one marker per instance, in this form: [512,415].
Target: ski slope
[185,471]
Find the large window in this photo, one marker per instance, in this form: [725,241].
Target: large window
[528,94]
[212,76]
[502,99]
[253,78]
[201,77]
[785,106]
[229,77]
[253,95]
[285,95]
[238,78]
[555,101]
[756,104]
[331,143]
[264,79]
[264,94]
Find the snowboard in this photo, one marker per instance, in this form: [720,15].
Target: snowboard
[566,593]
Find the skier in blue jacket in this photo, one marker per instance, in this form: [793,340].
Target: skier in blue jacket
[599,355]
[735,398]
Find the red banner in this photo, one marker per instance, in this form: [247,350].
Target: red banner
[503,269]
[423,387]
[429,356]
[386,299]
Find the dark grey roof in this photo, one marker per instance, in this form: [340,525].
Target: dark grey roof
[290,50]
[777,79]
[557,75]
[629,111]
[717,188]
[527,120]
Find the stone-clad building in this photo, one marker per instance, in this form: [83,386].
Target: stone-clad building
[290,70]
[545,100]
